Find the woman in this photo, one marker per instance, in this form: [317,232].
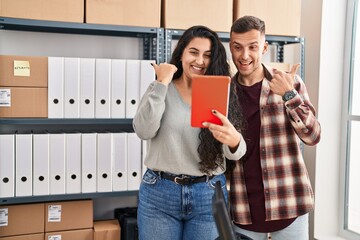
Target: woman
[175,197]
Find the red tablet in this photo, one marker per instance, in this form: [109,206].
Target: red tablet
[209,93]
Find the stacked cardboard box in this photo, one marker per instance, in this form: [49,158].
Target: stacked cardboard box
[22,219]
[183,14]
[107,230]
[54,10]
[23,86]
[282,17]
[143,13]
[67,220]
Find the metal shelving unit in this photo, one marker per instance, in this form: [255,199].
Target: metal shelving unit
[279,41]
[152,47]
[153,38]
[14,125]
[50,198]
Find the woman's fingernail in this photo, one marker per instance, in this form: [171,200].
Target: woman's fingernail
[213,111]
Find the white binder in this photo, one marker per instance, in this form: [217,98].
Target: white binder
[41,157]
[104,162]
[134,161]
[120,175]
[7,165]
[88,162]
[55,87]
[73,162]
[71,87]
[132,87]
[23,165]
[102,88]
[57,163]
[147,75]
[87,88]
[118,77]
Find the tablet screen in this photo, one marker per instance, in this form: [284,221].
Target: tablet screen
[209,93]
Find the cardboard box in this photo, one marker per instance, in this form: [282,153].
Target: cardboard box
[279,66]
[107,230]
[215,14]
[23,71]
[19,102]
[144,13]
[83,234]
[69,215]
[22,219]
[39,236]
[282,17]
[54,10]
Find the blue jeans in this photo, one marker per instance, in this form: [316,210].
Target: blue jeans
[298,230]
[169,211]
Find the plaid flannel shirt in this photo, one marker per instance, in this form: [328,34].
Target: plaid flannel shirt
[287,188]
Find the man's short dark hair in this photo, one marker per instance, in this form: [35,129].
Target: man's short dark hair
[248,23]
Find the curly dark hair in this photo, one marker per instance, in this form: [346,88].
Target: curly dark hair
[209,149]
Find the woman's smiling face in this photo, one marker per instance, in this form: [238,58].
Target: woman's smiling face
[196,57]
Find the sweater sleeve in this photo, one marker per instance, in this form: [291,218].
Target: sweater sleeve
[148,116]
[239,153]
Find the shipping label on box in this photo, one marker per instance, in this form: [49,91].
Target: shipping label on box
[4,217]
[54,213]
[5,98]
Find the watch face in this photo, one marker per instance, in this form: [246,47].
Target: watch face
[289,95]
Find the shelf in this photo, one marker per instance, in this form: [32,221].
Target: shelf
[153,38]
[64,197]
[11,126]
[70,27]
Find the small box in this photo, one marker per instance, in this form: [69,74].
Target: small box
[107,230]
[81,234]
[22,102]
[142,13]
[38,236]
[23,71]
[281,17]
[54,10]
[279,66]
[68,215]
[215,14]
[21,219]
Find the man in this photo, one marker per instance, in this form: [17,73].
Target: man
[270,192]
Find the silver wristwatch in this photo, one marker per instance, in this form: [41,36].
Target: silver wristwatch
[289,95]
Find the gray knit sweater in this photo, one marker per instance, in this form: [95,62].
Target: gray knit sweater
[163,119]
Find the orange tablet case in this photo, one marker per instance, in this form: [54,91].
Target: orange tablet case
[209,93]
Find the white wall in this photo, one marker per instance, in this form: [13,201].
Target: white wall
[323,26]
